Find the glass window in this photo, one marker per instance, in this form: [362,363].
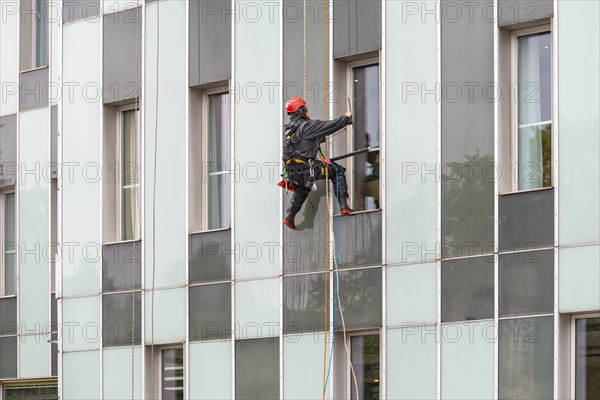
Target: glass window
[172,374]
[587,358]
[210,316]
[360,295]
[526,358]
[34,34]
[129,125]
[303,303]
[210,256]
[365,361]
[117,324]
[534,110]
[8,277]
[364,188]
[217,157]
[41,391]
[120,265]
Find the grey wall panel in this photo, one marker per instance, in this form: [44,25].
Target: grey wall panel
[467,132]
[8,150]
[8,316]
[526,220]
[303,303]
[358,239]
[360,295]
[120,80]
[8,361]
[257,369]
[357,27]
[74,10]
[210,256]
[210,41]
[33,89]
[512,12]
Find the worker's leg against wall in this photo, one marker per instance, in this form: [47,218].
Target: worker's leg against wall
[337,175]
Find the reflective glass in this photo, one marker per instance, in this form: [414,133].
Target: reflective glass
[210,256]
[219,144]
[303,303]
[526,283]
[8,316]
[358,239]
[117,325]
[526,358]
[535,111]
[120,266]
[210,312]
[42,391]
[467,289]
[365,360]
[365,84]
[172,374]
[8,361]
[130,150]
[587,364]
[360,295]
[9,278]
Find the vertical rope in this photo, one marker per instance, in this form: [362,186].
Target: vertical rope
[304,93]
[325,117]
[154,174]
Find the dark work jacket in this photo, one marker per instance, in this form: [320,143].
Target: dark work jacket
[307,134]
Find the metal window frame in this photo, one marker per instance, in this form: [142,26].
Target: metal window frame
[2,221]
[158,362]
[119,184]
[350,142]
[573,348]
[514,107]
[349,336]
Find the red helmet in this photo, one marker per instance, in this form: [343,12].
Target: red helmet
[294,104]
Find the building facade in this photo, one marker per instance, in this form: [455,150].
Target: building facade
[143,254]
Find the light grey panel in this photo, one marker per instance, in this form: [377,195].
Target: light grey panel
[74,10]
[33,89]
[210,41]
[358,239]
[357,27]
[468,289]
[120,80]
[526,283]
[360,295]
[526,355]
[257,369]
[8,150]
[210,256]
[8,316]
[303,303]
[517,11]
[467,130]
[526,220]
[8,361]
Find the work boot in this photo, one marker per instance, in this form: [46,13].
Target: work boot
[289,222]
[344,207]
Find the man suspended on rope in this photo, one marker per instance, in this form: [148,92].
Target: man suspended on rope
[302,139]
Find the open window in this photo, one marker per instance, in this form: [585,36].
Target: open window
[8,268]
[531,132]
[363,87]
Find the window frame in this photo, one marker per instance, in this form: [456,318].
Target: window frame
[30,25]
[158,362]
[514,107]
[349,336]
[120,178]
[350,143]
[204,156]
[2,250]
[573,348]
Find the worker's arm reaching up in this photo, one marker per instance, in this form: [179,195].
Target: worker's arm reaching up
[317,129]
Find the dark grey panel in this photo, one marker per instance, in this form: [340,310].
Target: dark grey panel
[8,150]
[526,358]
[74,10]
[53,313]
[517,11]
[54,355]
[526,283]
[8,316]
[356,27]
[257,369]
[360,295]
[467,131]
[468,289]
[210,41]
[120,265]
[34,90]
[117,327]
[303,303]
[358,239]
[8,361]
[210,256]
[210,312]
[120,80]
[54,140]
[526,220]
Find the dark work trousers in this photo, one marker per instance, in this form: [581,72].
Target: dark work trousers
[299,173]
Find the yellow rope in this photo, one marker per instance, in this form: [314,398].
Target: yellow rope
[326,152]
